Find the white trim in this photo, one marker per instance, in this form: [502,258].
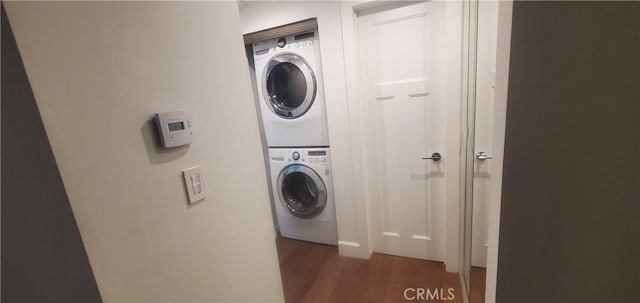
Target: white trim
[455,136]
[350,244]
[463,289]
[353,249]
[354,107]
[468,89]
[505,10]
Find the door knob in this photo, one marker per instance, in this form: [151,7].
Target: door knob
[482,156]
[435,157]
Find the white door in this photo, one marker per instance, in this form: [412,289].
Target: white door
[402,52]
[485,82]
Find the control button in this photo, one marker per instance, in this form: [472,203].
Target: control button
[297,44]
[304,43]
[317,160]
[281,42]
[311,42]
[296,156]
[324,160]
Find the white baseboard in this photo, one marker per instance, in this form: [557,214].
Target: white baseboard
[353,249]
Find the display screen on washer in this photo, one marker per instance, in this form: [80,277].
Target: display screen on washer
[317,153]
[303,192]
[176,126]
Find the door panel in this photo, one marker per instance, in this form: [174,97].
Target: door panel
[401,53]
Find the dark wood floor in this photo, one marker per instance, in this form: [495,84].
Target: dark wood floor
[316,273]
[478,280]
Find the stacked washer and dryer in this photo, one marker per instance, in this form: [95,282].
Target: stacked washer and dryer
[292,106]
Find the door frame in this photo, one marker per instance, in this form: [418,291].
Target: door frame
[454,249]
[455,138]
[503,51]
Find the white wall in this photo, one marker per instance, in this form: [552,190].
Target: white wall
[350,204]
[99,71]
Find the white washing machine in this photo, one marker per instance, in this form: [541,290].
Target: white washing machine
[290,91]
[303,194]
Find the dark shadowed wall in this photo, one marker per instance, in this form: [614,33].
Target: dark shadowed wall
[43,258]
[570,221]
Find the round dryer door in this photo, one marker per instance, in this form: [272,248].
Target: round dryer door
[289,85]
[302,191]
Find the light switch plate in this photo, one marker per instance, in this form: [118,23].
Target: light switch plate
[195,184]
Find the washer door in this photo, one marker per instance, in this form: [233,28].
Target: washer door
[289,85]
[302,191]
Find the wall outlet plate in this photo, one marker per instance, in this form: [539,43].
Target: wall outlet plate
[195,184]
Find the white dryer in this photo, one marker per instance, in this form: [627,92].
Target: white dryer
[303,194]
[290,91]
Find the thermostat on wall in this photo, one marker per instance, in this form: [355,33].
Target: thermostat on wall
[175,128]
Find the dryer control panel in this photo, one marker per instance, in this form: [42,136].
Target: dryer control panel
[315,157]
[291,42]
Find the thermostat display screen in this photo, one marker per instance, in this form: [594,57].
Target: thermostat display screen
[176,126]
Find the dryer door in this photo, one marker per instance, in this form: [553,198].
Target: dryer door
[289,85]
[302,191]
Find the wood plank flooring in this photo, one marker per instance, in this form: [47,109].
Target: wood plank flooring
[316,273]
[478,280]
